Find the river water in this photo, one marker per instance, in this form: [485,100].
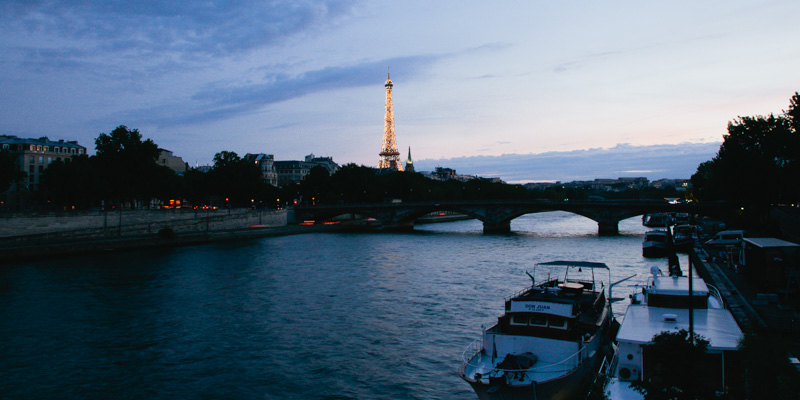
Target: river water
[313,316]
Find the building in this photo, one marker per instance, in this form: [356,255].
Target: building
[446,174]
[266,162]
[172,162]
[34,155]
[680,185]
[290,172]
[326,162]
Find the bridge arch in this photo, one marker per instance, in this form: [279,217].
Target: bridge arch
[497,216]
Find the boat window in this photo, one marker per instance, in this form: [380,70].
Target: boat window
[538,320]
[560,323]
[519,320]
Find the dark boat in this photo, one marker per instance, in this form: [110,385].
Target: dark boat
[655,244]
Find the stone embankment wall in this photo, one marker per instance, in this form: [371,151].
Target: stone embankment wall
[44,235]
[126,223]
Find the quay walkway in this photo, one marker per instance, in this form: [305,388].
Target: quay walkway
[755,312]
[62,234]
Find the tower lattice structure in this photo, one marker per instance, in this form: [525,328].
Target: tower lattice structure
[389,156]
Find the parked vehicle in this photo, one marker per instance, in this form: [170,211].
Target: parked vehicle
[727,238]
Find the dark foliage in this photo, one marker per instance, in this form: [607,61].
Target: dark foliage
[236,183]
[126,165]
[768,372]
[678,371]
[758,163]
[9,173]
[125,172]
[73,182]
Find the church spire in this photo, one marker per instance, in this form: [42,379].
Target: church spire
[409,162]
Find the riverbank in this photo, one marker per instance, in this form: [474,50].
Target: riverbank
[68,247]
[63,234]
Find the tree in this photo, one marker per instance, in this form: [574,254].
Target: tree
[127,165]
[9,173]
[758,162]
[316,184]
[71,182]
[356,184]
[677,368]
[769,374]
[238,181]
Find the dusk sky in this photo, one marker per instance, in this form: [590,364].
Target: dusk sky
[471,78]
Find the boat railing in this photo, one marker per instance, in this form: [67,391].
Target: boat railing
[568,364]
[551,282]
[607,367]
[714,292]
[469,353]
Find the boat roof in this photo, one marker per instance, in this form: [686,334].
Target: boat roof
[582,264]
[678,286]
[770,242]
[716,325]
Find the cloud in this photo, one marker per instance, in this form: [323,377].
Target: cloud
[654,162]
[208,27]
[224,100]
[133,40]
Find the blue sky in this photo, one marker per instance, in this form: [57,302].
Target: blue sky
[471,78]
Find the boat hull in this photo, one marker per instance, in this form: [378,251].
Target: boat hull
[654,251]
[568,387]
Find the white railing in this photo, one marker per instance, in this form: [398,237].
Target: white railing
[566,365]
[469,353]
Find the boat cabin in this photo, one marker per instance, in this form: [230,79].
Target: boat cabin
[673,292]
[557,307]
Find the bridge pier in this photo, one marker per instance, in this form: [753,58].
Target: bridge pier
[497,227]
[608,228]
[397,226]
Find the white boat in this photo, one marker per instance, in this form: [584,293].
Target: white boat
[663,305]
[551,339]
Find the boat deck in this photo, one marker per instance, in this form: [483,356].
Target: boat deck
[716,325]
[541,371]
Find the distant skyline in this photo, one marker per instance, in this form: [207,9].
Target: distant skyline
[475,81]
[653,162]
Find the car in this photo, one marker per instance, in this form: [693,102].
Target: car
[727,238]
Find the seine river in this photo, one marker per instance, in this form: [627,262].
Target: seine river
[313,316]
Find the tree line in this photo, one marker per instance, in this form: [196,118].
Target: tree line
[756,168]
[758,165]
[758,162]
[124,173]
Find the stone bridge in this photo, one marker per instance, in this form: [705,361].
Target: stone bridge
[497,215]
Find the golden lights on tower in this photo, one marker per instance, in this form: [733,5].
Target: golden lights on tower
[389,156]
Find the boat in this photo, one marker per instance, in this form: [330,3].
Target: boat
[666,304]
[551,339]
[656,243]
[684,237]
[657,220]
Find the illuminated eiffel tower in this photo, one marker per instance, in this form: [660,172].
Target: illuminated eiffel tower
[390,157]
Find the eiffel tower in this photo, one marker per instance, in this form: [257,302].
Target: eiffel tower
[390,157]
